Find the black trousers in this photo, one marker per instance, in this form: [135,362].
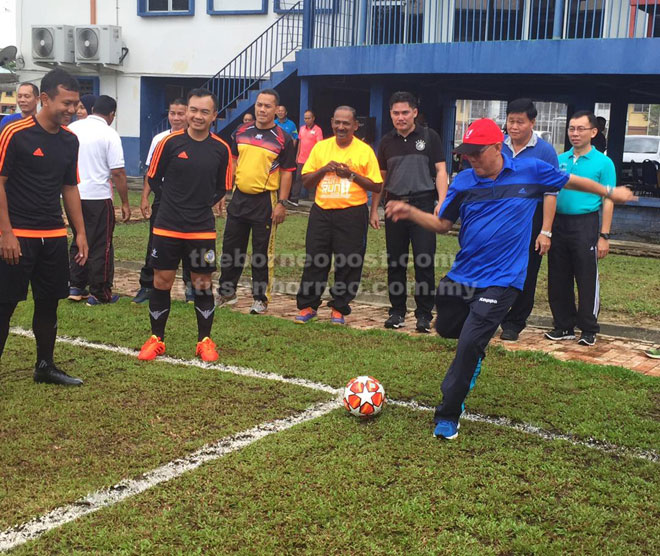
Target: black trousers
[516,318]
[99,270]
[297,186]
[234,255]
[471,315]
[574,259]
[398,238]
[341,233]
[147,272]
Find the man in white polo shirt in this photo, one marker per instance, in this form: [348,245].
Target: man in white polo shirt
[100,160]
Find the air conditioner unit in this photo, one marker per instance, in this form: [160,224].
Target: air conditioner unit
[53,43]
[98,44]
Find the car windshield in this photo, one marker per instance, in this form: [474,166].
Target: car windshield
[641,144]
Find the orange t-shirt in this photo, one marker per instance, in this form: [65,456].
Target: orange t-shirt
[332,191]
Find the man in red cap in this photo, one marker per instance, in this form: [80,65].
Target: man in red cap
[495,201]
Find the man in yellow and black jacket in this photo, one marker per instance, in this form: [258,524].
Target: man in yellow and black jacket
[265,159]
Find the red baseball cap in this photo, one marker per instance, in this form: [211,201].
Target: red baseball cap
[481,133]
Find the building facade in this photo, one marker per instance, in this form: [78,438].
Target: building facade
[167,47]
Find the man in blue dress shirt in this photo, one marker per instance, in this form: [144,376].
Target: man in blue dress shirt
[522,142]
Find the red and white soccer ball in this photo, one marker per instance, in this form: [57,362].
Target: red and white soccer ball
[364,396]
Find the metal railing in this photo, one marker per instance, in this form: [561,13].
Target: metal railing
[254,63]
[378,22]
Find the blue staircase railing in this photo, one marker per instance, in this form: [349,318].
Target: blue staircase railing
[247,70]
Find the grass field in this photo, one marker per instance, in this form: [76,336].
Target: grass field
[630,288]
[332,485]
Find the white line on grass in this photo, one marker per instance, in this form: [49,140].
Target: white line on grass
[648,455]
[240,371]
[11,538]
[593,444]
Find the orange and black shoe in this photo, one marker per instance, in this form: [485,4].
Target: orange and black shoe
[151,349]
[206,350]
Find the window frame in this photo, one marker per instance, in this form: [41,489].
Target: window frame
[278,9]
[211,11]
[142,10]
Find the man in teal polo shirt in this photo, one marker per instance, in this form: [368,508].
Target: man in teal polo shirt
[579,237]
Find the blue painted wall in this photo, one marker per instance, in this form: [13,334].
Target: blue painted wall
[559,57]
[131,146]
[153,106]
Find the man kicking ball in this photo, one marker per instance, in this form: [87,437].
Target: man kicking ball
[191,169]
[495,201]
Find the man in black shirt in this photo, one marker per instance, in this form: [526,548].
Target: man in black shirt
[412,161]
[38,162]
[191,171]
[600,141]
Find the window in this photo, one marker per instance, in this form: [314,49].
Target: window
[481,20]
[166,7]
[283,6]
[396,21]
[641,108]
[236,7]
[88,85]
[585,19]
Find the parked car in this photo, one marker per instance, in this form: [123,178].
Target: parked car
[638,148]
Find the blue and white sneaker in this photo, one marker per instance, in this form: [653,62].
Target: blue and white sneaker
[446,429]
[92,300]
[78,294]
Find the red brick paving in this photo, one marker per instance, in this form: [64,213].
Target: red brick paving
[608,351]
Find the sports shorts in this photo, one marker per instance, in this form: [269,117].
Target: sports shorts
[44,263]
[167,252]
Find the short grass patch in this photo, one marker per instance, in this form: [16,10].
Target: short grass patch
[339,486]
[57,444]
[607,403]
[630,290]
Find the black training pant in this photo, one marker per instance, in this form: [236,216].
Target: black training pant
[234,255]
[338,232]
[398,237]
[147,271]
[472,315]
[297,186]
[574,259]
[516,319]
[99,270]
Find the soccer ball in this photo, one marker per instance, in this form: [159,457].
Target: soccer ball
[364,396]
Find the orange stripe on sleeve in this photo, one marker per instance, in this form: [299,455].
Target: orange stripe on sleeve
[155,159]
[8,132]
[230,173]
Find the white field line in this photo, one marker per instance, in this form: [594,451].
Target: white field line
[648,455]
[240,371]
[592,443]
[20,534]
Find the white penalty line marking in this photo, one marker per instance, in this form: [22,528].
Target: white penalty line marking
[605,447]
[16,536]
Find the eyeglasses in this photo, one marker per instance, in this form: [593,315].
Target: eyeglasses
[578,129]
[480,151]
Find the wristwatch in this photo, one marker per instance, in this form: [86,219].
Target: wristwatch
[604,236]
[546,233]
[282,202]
[351,177]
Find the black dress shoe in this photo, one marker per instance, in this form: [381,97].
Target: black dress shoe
[509,335]
[48,373]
